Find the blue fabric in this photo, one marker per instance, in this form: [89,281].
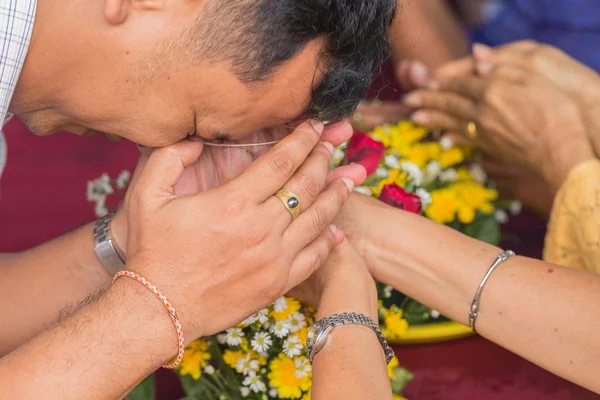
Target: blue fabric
[572,25]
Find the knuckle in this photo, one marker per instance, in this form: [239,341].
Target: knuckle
[281,163]
[320,219]
[310,186]
[234,204]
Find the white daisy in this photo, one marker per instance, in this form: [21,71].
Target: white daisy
[413,171]
[387,291]
[425,197]
[338,154]
[261,342]
[256,385]
[297,321]
[303,367]
[280,304]
[501,216]
[392,161]
[446,143]
[433,170]
[209,370]
[516,207]
[234,336]
[244,391]
[292,347]
[104,184]
[381,172]
[273,393]
[449,175]
[250,320]
[222,338]
[280,329]
[246,365]
[100,208]
[123,179]
[478,173]
[263,316]
[435,314]
[93,192]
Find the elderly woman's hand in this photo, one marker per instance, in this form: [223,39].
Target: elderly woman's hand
[514,115]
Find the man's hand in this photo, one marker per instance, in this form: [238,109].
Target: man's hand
[222,255]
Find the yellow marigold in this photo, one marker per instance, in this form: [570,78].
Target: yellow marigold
[472,198]
[395,326]
[404,134]
[194,359]
[398,397]
[443,207]
[381,134]
[391,366]
[231,357]
[422,153]
[302,334]
[464,175]
[293,306]
[287,378]
[451,157]
[306,396]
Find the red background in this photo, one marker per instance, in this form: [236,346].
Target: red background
[43,195]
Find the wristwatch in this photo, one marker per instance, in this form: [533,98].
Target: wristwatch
[319,332]
[105,247]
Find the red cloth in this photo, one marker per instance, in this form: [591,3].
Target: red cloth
[43,194]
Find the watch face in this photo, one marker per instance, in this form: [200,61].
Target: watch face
[313,334]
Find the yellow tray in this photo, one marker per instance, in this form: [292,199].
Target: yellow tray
[433,333]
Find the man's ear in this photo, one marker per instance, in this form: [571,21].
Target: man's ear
[117,11]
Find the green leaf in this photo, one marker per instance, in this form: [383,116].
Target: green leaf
[485,228]
[144,391]
[401,378]
[416,313]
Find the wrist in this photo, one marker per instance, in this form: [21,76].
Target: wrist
[564,161]
[357,294]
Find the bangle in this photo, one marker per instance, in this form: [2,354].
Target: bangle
[170,308]
[474,312]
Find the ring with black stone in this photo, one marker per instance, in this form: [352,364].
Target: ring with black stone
[290,201]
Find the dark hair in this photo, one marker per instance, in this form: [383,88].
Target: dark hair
[257,36]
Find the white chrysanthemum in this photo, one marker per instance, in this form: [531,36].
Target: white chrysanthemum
[250,320]
[273,393]
[446,143]
[391,161]
[478,174]
[246,365]
[245,391]
[104,184]
[263,316]
[292,347]
[387,291]
[303,368]
[123,179]
[261,342]
[297,321]
[435,314]
[413,171]
[381,172]
[501,216]
[100,210]
[433,170]
[209,370]
[280,329]
[516,207]
[280,304]
[93,192]
[254,382]
[425,197]
[449,175]
[363,190]
[234,336]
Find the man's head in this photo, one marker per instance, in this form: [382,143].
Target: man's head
[155,71]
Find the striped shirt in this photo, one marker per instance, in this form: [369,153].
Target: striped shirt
[16,25]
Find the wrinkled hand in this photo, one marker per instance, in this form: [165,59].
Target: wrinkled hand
[221,255]
[522,118]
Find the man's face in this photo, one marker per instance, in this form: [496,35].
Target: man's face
[150,98]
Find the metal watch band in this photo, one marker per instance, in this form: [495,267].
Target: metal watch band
[336,320]
[105,247]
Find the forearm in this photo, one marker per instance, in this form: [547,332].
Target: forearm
[101,352]
[37,284]
[538,310]
[427,30]
[352,364]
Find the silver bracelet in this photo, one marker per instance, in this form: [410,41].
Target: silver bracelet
[105,247]
[319,333]
[474,312]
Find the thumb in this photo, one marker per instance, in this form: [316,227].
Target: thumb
[165,166]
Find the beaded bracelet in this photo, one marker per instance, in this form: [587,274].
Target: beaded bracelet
[167,304]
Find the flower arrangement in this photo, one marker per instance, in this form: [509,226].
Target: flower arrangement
[265,356]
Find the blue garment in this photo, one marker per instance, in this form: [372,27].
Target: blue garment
[571,25]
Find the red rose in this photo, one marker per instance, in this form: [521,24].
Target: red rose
[395,196]
[365,151]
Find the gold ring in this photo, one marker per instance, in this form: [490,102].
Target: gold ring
[472,132]
[290,201]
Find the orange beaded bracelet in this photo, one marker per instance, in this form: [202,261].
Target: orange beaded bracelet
[170,308]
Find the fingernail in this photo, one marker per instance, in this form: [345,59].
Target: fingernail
[481,50]
[349,183]
[420,72]
[434,85]
[420,117]
[333,229]
[484,69]
[319,126]
[329,147]
[412,100]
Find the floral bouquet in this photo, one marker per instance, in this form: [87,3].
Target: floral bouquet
[265,356]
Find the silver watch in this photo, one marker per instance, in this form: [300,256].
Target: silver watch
[319,332]
[105,247]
